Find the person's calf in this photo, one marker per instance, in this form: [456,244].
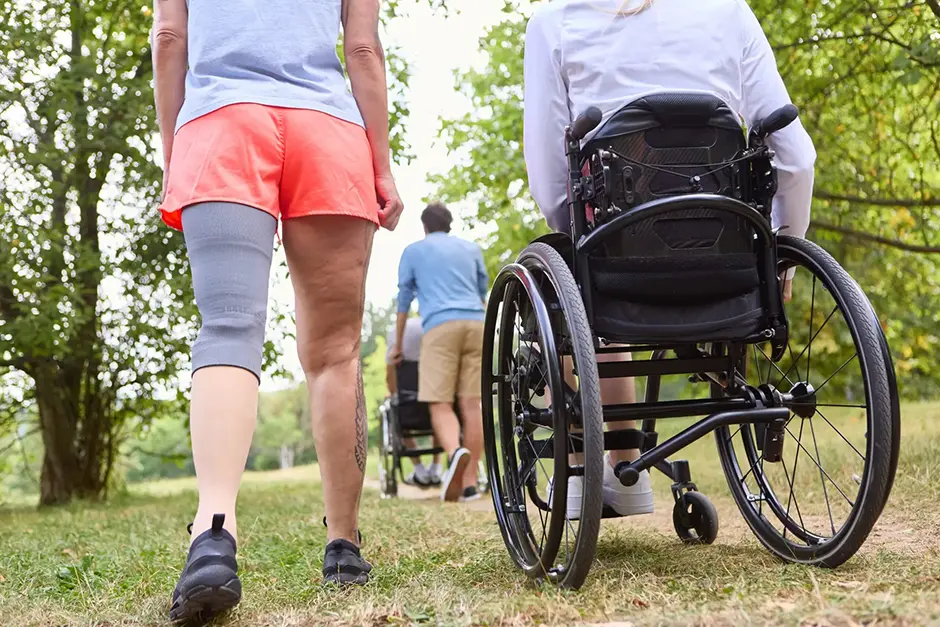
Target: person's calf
[472,415]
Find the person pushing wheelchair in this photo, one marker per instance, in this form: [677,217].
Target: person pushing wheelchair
[607,53]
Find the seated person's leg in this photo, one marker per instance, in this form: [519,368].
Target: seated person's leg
[625,500]
[435,471]
[419,473]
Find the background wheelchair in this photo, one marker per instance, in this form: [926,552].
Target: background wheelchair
[401,417]
[671,258]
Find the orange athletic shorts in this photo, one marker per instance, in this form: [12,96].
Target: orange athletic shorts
[288,162]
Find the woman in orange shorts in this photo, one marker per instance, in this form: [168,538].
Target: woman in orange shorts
[258,124]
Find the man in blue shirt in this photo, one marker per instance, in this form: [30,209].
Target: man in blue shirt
[449,279]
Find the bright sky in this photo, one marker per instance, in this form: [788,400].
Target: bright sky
[434,46]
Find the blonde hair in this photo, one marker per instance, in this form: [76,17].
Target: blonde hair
[644,5]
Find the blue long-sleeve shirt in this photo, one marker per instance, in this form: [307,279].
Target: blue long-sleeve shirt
[447,275]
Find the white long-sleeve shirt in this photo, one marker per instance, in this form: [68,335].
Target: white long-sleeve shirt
[580,53]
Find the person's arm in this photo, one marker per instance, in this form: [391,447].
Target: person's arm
[406,295]
[168,46]
[483,279]
[763,92]
[365,65]
[545,116]
[390,381]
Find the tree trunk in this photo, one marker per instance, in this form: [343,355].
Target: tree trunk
[68,470]
[287,456]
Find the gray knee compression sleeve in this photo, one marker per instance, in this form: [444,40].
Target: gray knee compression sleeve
[230,248]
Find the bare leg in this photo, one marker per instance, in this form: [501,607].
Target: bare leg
[328,257]
[472,414]
[446,426]
[613,392]
[619,392]
[223,412]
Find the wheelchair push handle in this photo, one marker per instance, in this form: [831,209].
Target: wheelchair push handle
[585,123]
[777,120]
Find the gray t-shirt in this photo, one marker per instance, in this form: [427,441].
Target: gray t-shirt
[280,53]
[411,342]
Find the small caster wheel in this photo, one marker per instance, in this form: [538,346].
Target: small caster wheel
[695,519]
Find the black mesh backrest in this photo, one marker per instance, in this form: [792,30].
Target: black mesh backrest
[679,136]
[412,414]
[406,376]
[668,145]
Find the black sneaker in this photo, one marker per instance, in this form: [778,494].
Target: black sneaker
[209,582]
[452,480]
[343,564]
[470,493]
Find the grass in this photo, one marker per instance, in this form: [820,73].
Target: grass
[116,564]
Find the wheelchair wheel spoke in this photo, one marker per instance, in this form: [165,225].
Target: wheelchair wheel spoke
[822,471]
[812,430]
[771,362]
[790,481]
[812,337]
[793,362]
[838,370]
[839,433]
[809,347]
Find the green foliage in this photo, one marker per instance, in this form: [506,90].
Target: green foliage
[866,76]
[374,385]
[158,450]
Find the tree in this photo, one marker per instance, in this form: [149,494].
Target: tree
[866,76]
[373,383]
[96,307]
[283,433]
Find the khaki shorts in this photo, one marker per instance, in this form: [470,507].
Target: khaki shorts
[451,362]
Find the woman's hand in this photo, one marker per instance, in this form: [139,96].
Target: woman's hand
[390,204]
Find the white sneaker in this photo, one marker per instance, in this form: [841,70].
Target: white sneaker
[627,500]
[421,475]
[575,485]
[434,474]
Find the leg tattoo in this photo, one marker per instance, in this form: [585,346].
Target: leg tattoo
[361,425]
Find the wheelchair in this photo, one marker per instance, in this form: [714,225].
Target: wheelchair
[403,416]
[671,260]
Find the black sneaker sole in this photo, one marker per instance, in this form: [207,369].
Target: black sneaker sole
[347,579]
[201,603]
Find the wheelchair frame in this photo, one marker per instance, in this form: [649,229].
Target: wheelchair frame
[734,401]
[393,450]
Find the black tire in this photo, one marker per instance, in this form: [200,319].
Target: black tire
[881,423]
[511,424]
[695,519]
[557,280]
[389,463]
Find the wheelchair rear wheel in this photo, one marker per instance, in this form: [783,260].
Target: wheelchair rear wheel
[543,434]
[819,501]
